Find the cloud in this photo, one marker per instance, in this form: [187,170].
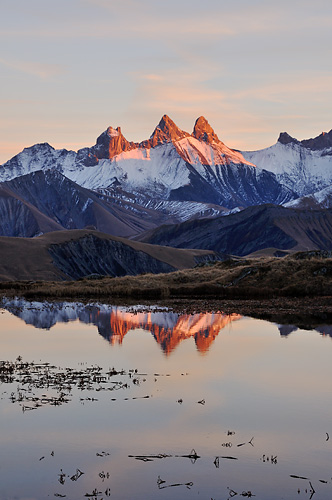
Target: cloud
[297,86]
[178,21]
[178,89]
[214,18]
[151,77]
[43,71]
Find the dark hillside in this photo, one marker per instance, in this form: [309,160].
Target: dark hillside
[253,229]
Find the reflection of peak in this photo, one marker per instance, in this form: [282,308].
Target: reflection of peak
[325,330]
[286,330]
[113,323]
[204,132]
[169,329]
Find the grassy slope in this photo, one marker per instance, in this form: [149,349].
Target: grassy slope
[28,258]
[292,276]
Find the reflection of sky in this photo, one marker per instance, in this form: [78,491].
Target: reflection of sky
[253,69]
[254,383]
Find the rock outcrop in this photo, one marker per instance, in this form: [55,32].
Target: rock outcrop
[165,131]
[111,143]
[323,141]
[204,132]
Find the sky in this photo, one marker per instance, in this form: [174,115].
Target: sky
[253,68]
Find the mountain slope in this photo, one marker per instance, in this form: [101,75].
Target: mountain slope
[253,229]
[77,253]
[20,218]
[303,166]
[318,200]
[28,201]
[67,204]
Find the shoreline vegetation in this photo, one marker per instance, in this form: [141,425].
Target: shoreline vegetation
[299,285]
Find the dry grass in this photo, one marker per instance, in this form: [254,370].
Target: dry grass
[299,275]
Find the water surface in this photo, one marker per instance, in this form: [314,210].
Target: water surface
[203,406]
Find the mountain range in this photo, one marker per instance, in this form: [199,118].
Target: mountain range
[173,176]
[175,188]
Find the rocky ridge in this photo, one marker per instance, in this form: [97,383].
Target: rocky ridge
[271,229]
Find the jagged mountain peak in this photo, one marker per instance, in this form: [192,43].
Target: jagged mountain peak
[165,131]
[40,147]
[113,132]
[322,141]
[167,125]
[204,132]
[110,143]
[285,138]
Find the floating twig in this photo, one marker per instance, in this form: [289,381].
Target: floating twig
[77,475]
[149,458]
[192,455]
[102,454]
[312,490]
[162,484]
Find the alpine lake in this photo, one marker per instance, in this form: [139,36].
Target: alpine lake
[101,401]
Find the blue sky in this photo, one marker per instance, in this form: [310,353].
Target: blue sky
[253,68]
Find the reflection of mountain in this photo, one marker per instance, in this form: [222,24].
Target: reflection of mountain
[286,330]
[169,329]
[113,323]
[324,330]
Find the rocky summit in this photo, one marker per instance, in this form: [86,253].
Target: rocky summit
[204,132]
[111,143]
